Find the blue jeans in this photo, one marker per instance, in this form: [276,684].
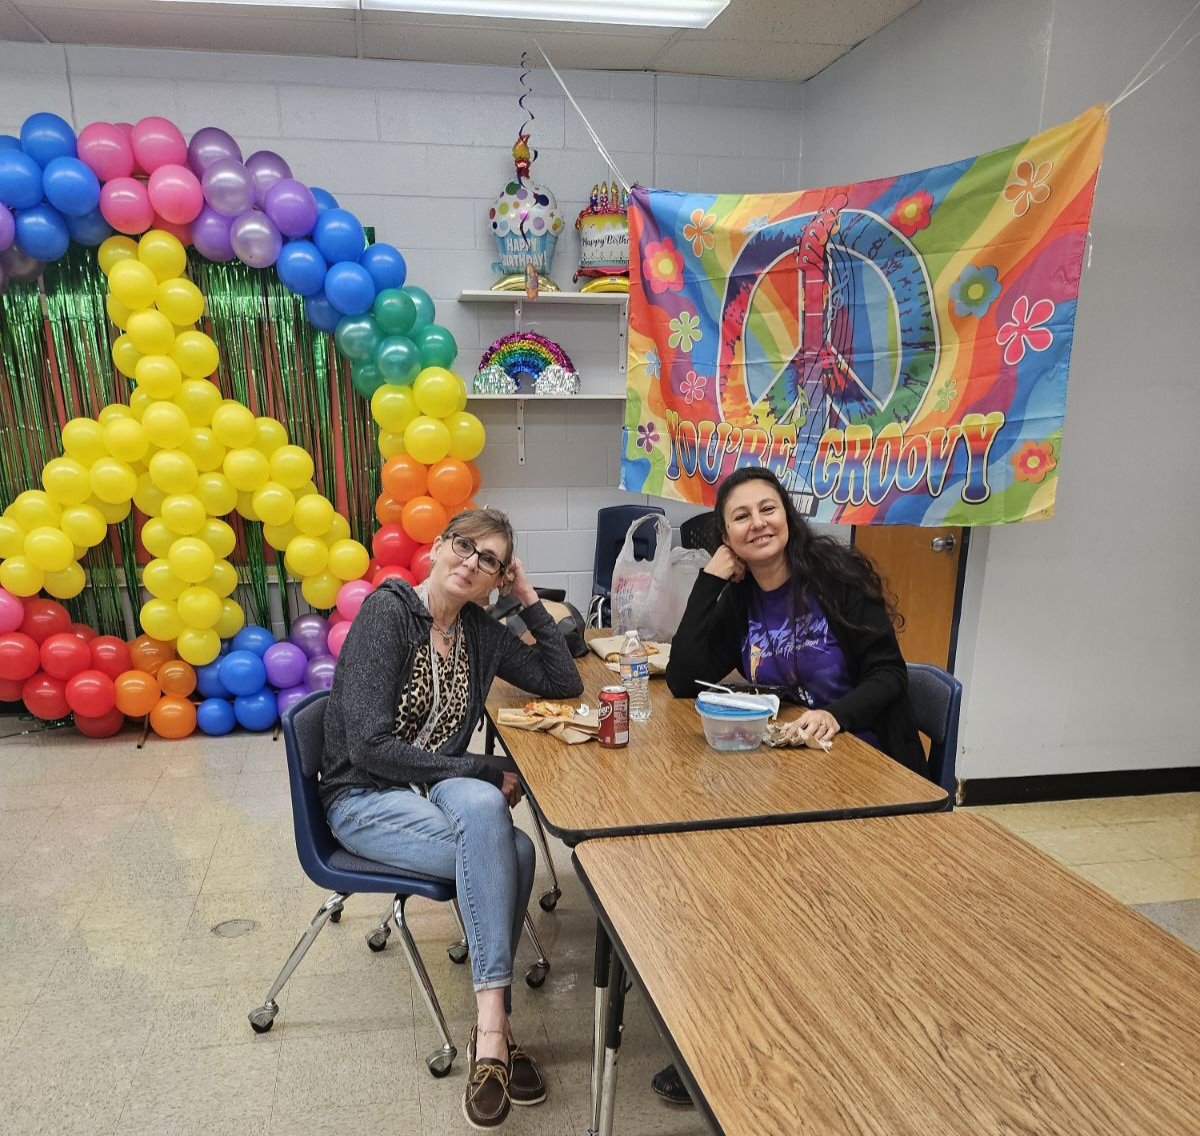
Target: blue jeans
[464,832]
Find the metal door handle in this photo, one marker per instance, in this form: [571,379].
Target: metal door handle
[942,543]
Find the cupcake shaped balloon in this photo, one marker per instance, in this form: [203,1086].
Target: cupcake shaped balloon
[526,223]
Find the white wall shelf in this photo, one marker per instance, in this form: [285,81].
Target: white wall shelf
[479,296]
[519,397]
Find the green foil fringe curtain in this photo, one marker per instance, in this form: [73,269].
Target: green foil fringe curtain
[56,364]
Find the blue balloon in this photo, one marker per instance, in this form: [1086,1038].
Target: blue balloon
[42,232]
[301,268]
[339,235]
[208,681]
[91,229]
[8,142]
[71,187]
[20,180]
[257,711]
[349,288]
[242,672]
[386,266]
[215,717]
[321,313]
[46,136]
[253,638]
[324,199]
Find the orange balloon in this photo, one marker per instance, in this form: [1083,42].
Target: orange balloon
[476,476]
[174,717]
[450,482]
[404,478]
[424,519]
[468,506]
[149,654]
[137,693]
[387,510]
[176,677]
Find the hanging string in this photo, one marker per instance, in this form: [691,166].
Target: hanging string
[1137,82]
[587,125]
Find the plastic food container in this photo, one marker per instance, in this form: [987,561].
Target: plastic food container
[735,723]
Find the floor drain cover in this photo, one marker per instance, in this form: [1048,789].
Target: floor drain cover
[232,928]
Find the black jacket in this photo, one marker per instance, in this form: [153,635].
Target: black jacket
[708,646]
[361,750]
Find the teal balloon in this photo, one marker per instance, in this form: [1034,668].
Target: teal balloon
[365,378]
[394,311]
[398,360]
[423,302]
[436,345]
[357,337]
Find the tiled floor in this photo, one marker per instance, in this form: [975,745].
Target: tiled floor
[121,1011]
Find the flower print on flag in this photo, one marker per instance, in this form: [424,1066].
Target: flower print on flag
[685,331]
[698,231]
[1029,187]
[692,387]
[755,224]
[1024,330]
[653,363]
[946,394]
[912,213]
[648,436]
[663,266]
[975,290]
[1033,461]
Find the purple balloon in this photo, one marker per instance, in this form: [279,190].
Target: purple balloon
[210,235]
[309,633]
[8,227]
[228,187]
[255,239]
[211,144]
[286,699]
[285,664]
[22,269]
[292,207]
[267,168]
[319,673]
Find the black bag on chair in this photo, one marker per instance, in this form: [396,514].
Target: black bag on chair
[507,610]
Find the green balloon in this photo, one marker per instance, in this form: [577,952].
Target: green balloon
[365,378]
[357,337]
[436,345]
[423,302]
[398,360]
[394,312]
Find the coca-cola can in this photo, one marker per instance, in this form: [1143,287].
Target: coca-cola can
[614,717]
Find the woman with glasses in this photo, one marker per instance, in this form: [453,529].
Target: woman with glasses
[399,785]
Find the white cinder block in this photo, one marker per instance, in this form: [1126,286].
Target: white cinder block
[328,112]
[22,95]
[43,61]
[592,423]
[621,125]
[464,119]
[528,508]
[349,167]
[566,551]
[746,175]
[584,503]
[240,108]
[114,99]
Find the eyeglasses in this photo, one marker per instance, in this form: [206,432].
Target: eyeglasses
[464,549]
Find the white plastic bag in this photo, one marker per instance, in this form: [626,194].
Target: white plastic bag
[641,589]
[686,565]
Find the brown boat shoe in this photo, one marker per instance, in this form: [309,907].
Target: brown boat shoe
[525,1083]
[485,1099]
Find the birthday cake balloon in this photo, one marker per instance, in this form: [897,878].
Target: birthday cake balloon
[604,240]
[526,223]
[525,356]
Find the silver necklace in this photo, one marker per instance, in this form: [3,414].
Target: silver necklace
[447,633]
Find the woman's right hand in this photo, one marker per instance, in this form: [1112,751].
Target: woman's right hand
[725,565]
[511,788]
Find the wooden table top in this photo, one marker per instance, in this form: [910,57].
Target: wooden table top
[669,779]
[902,975]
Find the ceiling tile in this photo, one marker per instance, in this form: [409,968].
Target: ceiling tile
[752,59]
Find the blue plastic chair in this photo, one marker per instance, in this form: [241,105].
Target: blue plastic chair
[936,697]
[612,525]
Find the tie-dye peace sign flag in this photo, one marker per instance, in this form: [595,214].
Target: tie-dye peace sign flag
[895,350]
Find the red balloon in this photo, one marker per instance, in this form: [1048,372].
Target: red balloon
[19,657]
[86,633]
[110,655]
[44,697]
[44,618]
[91,693]
[100,726]
[10,690]
[422,561]
[64,655]
[390,570]
[392,545]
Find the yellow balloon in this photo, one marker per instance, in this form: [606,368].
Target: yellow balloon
[245,507]
[66,480]
[113,251]
[112,481]
[269,436]
[84,525]
[157,537]
[183,513]
[198,646]
[126,440]
[158,376]
[306,556]
[391,443]
[426,439]
[280,536]
[219,497]
[321,590]
[436,391]
[313,515]
[462,396]
[49,549]
[304,490]
[196,355]
[148,497]
[133,284]
[393,408]
[160,581]
[67,584]
[291,466]
[34,508]
[12,538]
[173,471]
[274,503]
[234,425]
[162,253]
[117,312]
[467,436]
[191,559]
[232,619]
[202,447]
[160,619]
[199,606]
[246,468]
[224,578]
[219,536]
[139,402]
[348,560]
[151,332]
[166,425]
[113,512]
[20,577]
[83,440]
[180,301]
[338,530]
[114,410]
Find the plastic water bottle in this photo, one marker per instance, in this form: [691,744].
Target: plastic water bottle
[635,676]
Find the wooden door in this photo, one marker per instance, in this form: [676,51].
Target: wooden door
[924,578]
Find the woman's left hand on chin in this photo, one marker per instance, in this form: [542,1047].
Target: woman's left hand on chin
[819,724]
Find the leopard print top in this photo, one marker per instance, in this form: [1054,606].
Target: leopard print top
[417,699]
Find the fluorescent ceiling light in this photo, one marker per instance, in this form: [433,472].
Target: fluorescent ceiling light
[348,4]
[656,13]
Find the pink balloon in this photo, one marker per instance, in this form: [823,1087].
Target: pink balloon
[337,636]
[105,150]
[175,194]
[182,233]
[351,597]
[158,142]
[12,612]
[335,617]
[125,205]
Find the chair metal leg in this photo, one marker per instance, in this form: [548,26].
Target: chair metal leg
[549,900]
[263,1017]
[536,974]
[459,952]
[440,1060]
